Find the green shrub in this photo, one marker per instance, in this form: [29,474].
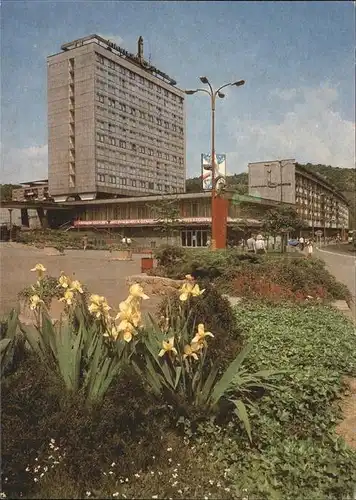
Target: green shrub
[49,290]
[215,312]
[282,279]
[167,256]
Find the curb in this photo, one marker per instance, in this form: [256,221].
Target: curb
[334,253]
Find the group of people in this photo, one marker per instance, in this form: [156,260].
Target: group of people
[256,245]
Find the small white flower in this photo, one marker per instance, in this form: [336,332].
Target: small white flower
[206,498]
[53,441]
[112,465]
[116,494]
[124,496]
[111,472]
[122,481]
[36,459]
[104,473]
[35,479]
[27,469]
[56,449]
[175,483]
[154,496]
[211,482]
[88,493]
[227,489]
[152,473]
[174,476]
[169,449]
[41,475]
[159,473]
[153,457]
[126,480]
[51,456]
[45,468]
[137,475]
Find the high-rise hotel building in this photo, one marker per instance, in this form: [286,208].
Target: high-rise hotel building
[116,124]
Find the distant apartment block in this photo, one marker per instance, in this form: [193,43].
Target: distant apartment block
[31,191]
[116,124]
[317,202]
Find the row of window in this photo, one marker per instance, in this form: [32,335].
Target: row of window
[112,127]
[138,149]
[113,103]
[130,93]
[154,130]
[143,81]
[131,97]
[123,181]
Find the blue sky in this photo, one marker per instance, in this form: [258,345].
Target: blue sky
[297,59]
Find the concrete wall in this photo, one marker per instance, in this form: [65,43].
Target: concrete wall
[265,179]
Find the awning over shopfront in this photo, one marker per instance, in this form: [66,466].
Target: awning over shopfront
[186,221]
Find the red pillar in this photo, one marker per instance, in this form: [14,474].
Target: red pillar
[219,222]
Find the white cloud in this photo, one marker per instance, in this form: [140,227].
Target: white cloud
[113,38]
[26,164]
[285,94]
[310,131]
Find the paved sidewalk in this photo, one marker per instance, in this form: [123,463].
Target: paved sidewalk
[343,267]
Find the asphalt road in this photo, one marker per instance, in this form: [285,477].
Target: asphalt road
[342,264]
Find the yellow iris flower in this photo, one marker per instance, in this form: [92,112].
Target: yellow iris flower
[76,286]
[189,289]
[190,351]
[64,281]
[68,297]
[136,292]
[35,301]
[128,313]
[40,269]
[99,307]
[201,334]
[168,346]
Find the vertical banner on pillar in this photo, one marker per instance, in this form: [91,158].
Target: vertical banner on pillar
[206,174]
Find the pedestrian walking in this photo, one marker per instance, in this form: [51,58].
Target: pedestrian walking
[251,244]
[310,249]
[85,242]
[301,243]
[260,245]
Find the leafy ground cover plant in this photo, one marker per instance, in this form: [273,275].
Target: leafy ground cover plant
[295,453]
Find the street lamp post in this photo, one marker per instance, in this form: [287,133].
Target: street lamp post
[213,94]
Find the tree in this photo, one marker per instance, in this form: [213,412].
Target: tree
[6,191]
[280,221]
[167,216]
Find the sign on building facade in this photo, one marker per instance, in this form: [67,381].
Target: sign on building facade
[220,169]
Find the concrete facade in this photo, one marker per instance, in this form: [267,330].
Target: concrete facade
[315,199]
[114,126]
